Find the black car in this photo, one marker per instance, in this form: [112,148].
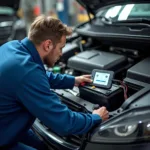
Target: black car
[11,26]
[116,38]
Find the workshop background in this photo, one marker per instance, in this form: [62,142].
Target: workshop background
[68,11]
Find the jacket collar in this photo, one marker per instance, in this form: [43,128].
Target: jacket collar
[33,51]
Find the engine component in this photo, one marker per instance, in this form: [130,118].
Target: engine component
[88,60]
[112,98]
[140,71]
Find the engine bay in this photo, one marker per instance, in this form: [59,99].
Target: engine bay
[130,87]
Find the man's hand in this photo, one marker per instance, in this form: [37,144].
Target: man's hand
[102,112]
[81,79]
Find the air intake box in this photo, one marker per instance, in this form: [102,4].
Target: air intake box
[140,71]
[88,60]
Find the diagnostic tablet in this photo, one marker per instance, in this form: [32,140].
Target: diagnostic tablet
[102,78]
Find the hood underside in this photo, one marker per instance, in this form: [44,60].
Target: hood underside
[93,6]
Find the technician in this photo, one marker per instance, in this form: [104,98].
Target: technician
[25,88]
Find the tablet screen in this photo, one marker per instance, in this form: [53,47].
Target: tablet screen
[101,78]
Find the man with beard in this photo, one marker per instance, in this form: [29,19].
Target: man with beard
[25,88]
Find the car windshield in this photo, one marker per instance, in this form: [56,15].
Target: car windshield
[6,11]
[125,12]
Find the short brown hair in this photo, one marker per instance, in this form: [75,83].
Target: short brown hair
[46,27]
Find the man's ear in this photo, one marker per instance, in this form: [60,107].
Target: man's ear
[48,45]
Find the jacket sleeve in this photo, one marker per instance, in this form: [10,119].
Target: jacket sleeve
[35,94]
[60,81]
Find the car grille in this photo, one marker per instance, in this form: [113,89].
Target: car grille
[74,139]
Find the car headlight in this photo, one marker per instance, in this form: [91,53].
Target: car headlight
[129,127]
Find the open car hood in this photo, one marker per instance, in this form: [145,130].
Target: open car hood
[92,6]
[10,3]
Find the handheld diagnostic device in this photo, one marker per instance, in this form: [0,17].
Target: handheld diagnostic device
[102,78]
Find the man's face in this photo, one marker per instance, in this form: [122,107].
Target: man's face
[54,55]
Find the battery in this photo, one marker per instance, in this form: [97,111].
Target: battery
[110,98]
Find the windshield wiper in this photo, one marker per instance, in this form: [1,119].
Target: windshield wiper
[142,22]
[136,20]
[105,20]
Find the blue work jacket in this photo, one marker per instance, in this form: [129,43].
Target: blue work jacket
[25,94]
